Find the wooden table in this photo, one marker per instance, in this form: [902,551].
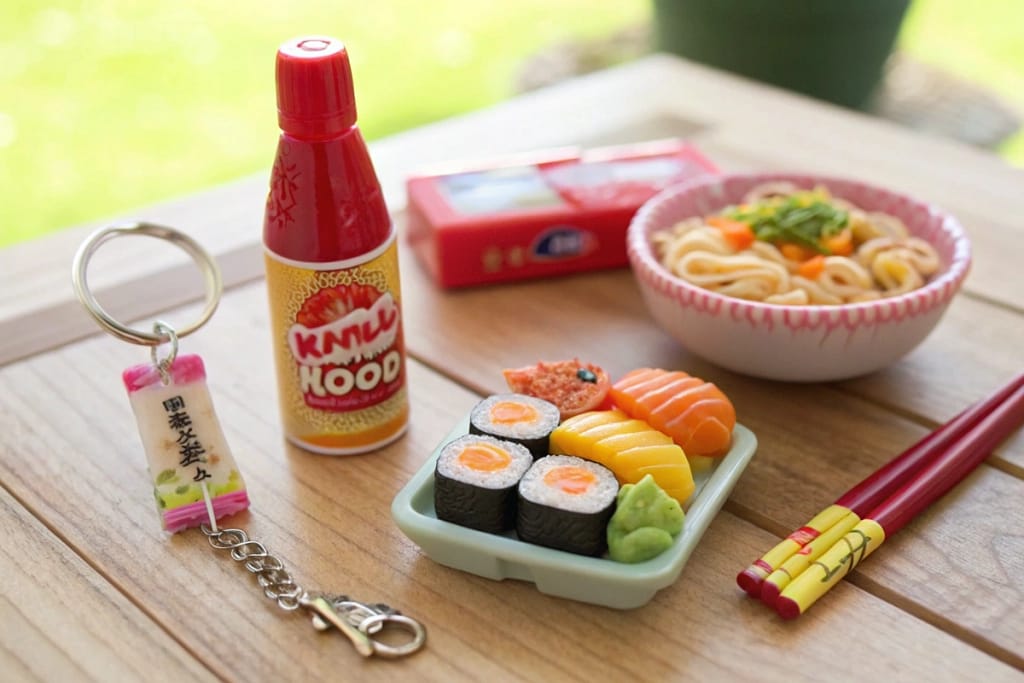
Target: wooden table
[92,589]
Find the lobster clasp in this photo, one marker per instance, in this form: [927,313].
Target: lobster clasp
[360,622]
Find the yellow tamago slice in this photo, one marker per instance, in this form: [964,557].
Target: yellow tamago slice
[702,463]
[607,447]
[665,462]
[676,480]
[630,448]
[569,439]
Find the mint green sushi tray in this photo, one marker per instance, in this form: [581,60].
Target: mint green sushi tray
[596,580]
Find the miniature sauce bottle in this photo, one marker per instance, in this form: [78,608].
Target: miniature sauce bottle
[332,264]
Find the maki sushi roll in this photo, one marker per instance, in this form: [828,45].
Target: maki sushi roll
[523,419]
[565,502]
[475,482]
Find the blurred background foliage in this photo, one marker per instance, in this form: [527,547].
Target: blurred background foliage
[106,105]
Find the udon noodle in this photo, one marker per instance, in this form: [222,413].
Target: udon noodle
[784,245]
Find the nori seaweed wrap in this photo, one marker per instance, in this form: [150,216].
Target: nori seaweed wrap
[565,502]
[475,482]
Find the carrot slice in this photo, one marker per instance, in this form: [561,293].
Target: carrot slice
[796,252]
[812,267]
[738,234]
[840,244]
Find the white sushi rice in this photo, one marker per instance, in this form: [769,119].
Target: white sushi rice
[533,487]
[448,462]
[548,417]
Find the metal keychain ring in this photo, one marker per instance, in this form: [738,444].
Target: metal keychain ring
[207,266]
[411,626]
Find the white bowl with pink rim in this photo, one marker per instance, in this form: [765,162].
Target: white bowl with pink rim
[794,343]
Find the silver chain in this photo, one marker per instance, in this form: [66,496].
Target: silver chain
[276,581]
[358,621]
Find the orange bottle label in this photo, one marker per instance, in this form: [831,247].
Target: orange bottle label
[339,350]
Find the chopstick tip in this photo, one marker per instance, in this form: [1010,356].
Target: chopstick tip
[770,592]
[787,608]
[750,580]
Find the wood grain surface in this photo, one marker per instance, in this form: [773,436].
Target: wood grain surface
[327,518]
[62,621]
[94,590]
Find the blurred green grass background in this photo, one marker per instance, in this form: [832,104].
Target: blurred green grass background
[108,105]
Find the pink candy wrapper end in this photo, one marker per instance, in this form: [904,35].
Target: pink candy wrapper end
[188,516]
[186,368]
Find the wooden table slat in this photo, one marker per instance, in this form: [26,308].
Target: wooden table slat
[63,621]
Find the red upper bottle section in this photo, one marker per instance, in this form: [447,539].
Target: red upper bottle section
[315,97]
[325,203]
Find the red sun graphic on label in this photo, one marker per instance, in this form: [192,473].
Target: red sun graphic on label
[334,303]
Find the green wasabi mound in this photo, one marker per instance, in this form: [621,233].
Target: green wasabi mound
[645,522]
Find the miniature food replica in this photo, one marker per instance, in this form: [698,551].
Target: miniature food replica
[557,484]
[475,482]
[565,503]
[785,245]
[695,413]
[575,387]
[516,417]
[185,445]
[628,447]
[645,523]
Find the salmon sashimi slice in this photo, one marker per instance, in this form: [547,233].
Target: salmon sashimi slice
[696,414]
[635,384]
[665,394]
[704,430]
[667,406]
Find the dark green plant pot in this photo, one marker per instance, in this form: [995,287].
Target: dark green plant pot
[834,50]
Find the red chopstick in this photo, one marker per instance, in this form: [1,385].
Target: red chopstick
[942,474]
[767,576]
[932,482]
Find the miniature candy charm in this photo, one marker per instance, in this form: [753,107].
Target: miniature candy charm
[184,443]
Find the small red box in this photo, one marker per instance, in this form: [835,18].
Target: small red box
[549,213]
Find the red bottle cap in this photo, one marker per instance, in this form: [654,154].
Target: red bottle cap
[315,97]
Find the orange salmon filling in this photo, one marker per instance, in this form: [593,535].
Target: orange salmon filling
[510,412]
[484,458]
[572,480]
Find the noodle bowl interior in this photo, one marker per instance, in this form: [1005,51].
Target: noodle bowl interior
[786,245]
